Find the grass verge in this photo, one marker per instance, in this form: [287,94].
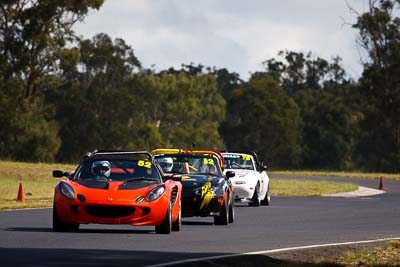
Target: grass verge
[395,176]
[386,255]
[37,181]
[307,188]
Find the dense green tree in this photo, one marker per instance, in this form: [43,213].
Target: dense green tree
[31,47]
[329,118]
[34,36]
[105,101]
[189,109]
[264,119]
[379,35]
[95,100]
[329,129]
[296,71]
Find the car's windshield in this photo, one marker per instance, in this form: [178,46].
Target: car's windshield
[129,170]
[238,161]
[189,164]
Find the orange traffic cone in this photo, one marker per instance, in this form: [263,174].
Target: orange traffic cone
[381,183]
[21,194]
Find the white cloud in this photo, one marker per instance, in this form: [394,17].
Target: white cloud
[234,34]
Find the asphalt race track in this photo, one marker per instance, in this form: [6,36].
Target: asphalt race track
[27,239]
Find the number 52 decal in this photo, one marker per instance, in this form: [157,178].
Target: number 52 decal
[146,164]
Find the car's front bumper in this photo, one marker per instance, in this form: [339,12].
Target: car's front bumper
[115,212]
[195,206]
[243,191]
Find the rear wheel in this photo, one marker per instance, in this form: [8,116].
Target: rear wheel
[166,226]
[255,200]
[223,217]
[267,199]
[176,226]
[60,226]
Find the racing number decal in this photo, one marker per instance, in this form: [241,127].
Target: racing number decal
[146,164]
[207,194]
[245,157]
[208,161]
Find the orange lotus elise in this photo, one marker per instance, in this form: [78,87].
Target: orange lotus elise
[117,187]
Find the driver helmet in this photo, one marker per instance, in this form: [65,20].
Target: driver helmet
[101,168]
[166,164]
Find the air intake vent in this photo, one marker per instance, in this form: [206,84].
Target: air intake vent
[110,211]
[145,211]
[174,194]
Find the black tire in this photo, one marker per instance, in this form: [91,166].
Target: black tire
[267,199]
[166,226]
[176,225]
[223,217]
[60,226]
[231,211]
[255,200]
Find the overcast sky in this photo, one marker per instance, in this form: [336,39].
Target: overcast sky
[234,34]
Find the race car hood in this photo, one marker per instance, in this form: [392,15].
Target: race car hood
[196,180]
[112,191]
[245,175]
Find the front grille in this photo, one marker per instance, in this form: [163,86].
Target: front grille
[110,211]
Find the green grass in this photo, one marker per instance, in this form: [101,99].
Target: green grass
[307,188]
[338,173]
[385,255]
[37,181]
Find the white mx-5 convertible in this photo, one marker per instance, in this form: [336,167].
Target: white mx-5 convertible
[251,182]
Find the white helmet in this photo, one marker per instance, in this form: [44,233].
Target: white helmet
[101,168]
[166,164]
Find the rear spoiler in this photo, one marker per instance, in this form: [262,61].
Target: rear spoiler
[106,152]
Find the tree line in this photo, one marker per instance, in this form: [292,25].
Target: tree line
[62,95]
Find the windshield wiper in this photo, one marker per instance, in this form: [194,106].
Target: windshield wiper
[140,179]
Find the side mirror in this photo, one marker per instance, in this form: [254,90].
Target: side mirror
[230,174]
[60,174]
[175,177]
[262,168]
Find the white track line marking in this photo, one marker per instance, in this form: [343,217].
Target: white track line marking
[273,251]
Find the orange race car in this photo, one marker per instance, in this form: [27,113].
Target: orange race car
[117,187]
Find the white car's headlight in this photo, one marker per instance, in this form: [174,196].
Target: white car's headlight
[155,193]
[67,190]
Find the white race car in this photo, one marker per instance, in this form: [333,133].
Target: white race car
[251,182]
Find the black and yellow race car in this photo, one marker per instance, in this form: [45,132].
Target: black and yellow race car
[206,191]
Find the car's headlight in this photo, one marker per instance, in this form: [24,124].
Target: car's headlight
[67,190]
[155,193]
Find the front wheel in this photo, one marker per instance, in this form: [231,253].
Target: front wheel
[223,217]
[176,226]
[255,200]
[267,199]
[231,211]
[166,226]
[60,226]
